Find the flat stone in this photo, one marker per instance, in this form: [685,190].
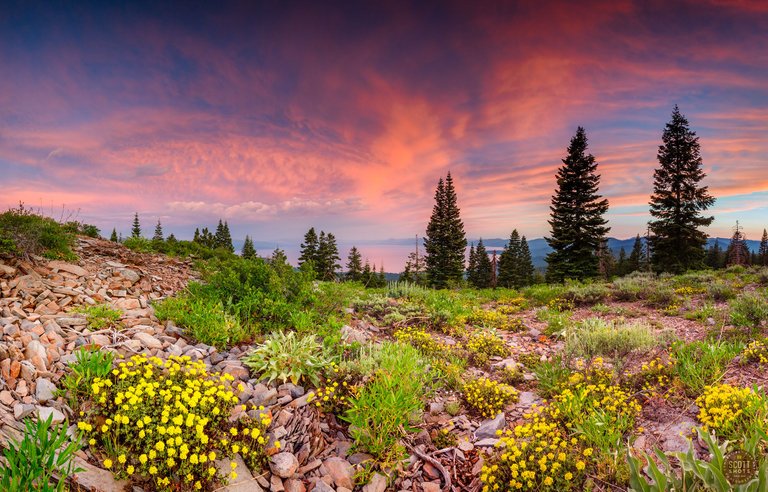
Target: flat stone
[96,479]
[294,485]
[21,410]
[341,472]
[378,483]
[100,340]
[321,486]
[488,442]
[130,275]
[489,427]
[6,398]
[148,340]
[71,321]
[68,267]
[430,487]
[44,412]
[284,464]
[44,390]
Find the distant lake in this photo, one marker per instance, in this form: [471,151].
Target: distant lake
[392,256]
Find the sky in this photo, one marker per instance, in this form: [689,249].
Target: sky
[281,115]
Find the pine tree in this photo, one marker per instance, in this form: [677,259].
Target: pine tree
[171,239]
[158,237]
[207,239]
[606,261]
[472,265]
[382,276]
[228,239]
[526,264]
[218,236]
[113,237]
[577,222]
[415,268]
[482,267]
[714,258]
[737,252]
[248,251]
[136,228]
[509,262]
[309,248]
[636,257]
[445,242]
[327,257]
[196,237]
[621,264]
[354,264]
[677,203]
[762,251]
[365,277]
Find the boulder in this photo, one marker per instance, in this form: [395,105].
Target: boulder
[341,471]
[284,464]
[488,428]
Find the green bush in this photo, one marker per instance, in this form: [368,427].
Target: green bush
[552,376]
[25,233]
[543,294]
[720,291]
[384,407]
[89,364]
[99,316]
[750,309]
[701,364]
[204,319]
[635,286]
[139,244]
[595,336]
[42,453]
[585,294]
[287,356]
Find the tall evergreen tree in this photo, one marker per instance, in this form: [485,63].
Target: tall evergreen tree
[354,264]
[509,262]
[309,248]
[737,252]
[678,200]
[636,257]
[207,239]
[445,242]
[715,258]
[762,251]
[218,236]
[415,267]
[171,239]
[136,227]
[248,251]
[577,221]
[606,261]
[196,237]
[158,237]
[482,267]
[526,264]
[327,257]
[227,239]
[113,237]
[621,264]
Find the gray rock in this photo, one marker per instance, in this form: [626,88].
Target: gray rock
[489,427]
[488,442]
[284,464]
[21,410]
[676,437]
[321,486]
[100,340]
[148,340]
[130,275]
[378,483]
[341,472]
[349,335]
[44,412]
[44,390]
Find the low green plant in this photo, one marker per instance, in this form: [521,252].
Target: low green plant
[700,364]
[720,291]
[380,411]
[543,294]
[288,356]
[585,294]
[732,412]
[488,397]
[551,375]
[635,286]
[595,336]
[482,345]
[205,319]
[399,289]
[749,309]
[41,461]
[89,364]
[557,320]
[696,474]
[99,316]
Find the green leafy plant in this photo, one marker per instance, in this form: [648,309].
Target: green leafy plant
[750,310]
[381,410]
[551,375]
[42,454]
[288,356]
[99,316]
[700,364]
[696,474]
[24,233]
[595,336]
[89,364]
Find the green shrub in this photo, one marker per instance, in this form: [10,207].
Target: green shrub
[42,453]
[139,244]
[585,294]
[732,412]
[701,364]
[635,286]
[204,319]
[542,294]
[287,356]
[99,316]
[595,336]
[400,289]
[750,310]
[488,397]
[383,407]
[25,233]
[720,291]
[482,345]
[552,376]
[557,320]
[89,364]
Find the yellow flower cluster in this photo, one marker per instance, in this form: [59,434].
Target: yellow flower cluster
[488,397]
[688,291]
[655,377]
[536,455]
[757,351]
[168,421]
[560,304]
[483,345]
[731,411]
[420,339]
[496,319]
[511,305]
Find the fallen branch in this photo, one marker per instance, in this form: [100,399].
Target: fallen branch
[436,464]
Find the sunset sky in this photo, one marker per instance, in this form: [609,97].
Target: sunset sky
[279,115]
